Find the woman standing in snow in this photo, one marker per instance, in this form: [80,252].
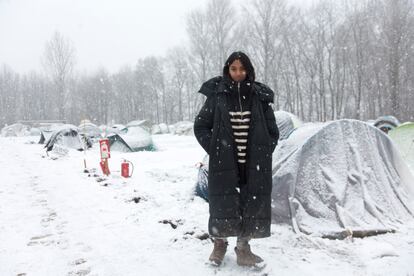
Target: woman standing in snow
[237,128]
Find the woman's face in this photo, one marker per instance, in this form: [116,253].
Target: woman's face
[237,71]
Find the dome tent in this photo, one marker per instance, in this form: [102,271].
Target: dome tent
[386,123]
[286,123]
[66,136]
[145,124]
[183,128]
[17,129]
[116,128]
[160,129]
[341,177]
[89,129]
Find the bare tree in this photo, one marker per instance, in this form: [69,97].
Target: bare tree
[397,23]
[178,77]
[153,83]
[221,21]
[200,43]
[265,22]
[59,58]
[9,95]
[128,95]
[34,103]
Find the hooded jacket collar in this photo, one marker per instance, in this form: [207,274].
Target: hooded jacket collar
[221,85]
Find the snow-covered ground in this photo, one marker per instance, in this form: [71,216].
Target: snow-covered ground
[57,220]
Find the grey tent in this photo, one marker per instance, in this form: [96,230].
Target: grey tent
[45,136]
[287,123]
[145,124]
[183,128]
[89,129]
[116,128]
[160,129]
[47,131]
[341,177]
[17,129]
[66,136]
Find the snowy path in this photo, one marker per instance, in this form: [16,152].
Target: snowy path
[56,220]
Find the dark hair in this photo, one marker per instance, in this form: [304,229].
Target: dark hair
[245,60]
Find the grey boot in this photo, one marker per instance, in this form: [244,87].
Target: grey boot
[219,250]
[245,256]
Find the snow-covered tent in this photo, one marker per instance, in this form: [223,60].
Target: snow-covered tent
[34,131]
[117,143]
[131,139]
[17,129]
[145,124]
[116,128]
[66,136]
[45,136]
[341,177]
[89,129]
[287,123]
[183,128]
[386,123]
[403,137]
[46,131]
[160,129]
[171,128]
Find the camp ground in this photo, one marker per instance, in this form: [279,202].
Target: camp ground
[87,223]
[403,137]
[207,138]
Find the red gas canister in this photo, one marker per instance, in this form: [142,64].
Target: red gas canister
[125,172]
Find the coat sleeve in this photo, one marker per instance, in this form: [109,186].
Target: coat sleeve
[203,124]
[271,124]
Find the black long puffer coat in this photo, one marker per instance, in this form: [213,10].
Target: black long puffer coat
[234,211]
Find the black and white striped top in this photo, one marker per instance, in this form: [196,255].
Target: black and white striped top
[240,123]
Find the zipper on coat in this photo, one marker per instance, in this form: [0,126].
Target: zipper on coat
[241,109]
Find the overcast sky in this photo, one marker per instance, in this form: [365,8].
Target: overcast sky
[108,33]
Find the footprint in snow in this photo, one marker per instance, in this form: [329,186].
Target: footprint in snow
[41,240]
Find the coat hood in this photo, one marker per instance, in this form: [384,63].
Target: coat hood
[209,88]
[217,85]
[265,93]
